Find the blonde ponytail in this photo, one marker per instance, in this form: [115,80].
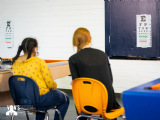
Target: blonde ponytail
[81,38]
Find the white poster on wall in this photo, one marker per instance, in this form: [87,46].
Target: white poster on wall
[144,31]
[9,34]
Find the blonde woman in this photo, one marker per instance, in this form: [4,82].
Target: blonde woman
[91,63]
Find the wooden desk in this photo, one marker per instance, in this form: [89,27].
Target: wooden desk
[58,70]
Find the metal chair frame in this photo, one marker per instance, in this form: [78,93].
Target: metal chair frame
[31,110]
[95,117]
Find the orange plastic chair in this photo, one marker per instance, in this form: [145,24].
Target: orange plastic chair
[91,97]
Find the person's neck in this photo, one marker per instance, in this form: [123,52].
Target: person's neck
[23,57]
[26,54]
[86,46]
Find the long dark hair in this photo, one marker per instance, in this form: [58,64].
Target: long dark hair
[27,45]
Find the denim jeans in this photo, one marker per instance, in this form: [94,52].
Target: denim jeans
[50,99]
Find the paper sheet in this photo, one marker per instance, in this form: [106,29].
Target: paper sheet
[144,31]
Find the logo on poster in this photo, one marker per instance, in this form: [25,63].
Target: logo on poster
[11,111]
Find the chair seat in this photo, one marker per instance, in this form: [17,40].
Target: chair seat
[115,113]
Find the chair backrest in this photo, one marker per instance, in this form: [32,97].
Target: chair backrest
[24,90]
[90,96]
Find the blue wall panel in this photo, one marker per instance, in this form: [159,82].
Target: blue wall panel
[120,26]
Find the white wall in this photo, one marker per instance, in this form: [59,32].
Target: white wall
[53,23]
[126,74]
[131,73]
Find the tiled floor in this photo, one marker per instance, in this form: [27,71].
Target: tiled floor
[71,113]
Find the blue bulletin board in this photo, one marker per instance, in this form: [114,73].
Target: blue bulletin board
[132,28]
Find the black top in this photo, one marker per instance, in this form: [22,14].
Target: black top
[93,63]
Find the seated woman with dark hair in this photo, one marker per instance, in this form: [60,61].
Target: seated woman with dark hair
[31,66]
[91,63]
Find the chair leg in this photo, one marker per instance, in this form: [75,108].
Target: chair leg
[12,117]
[124,117]
[79,117]
[59,114]
[47,116]
[27,115]
[90,117]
